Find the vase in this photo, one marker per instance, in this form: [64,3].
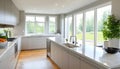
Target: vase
[114,43]
[106,44]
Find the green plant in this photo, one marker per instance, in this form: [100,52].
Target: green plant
[111,28]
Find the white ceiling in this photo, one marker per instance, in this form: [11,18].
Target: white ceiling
[50,6]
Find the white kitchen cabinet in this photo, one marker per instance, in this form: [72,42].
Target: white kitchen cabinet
[25,43]
[86,65]
[74,63]
[2,11]
[8,59]
[67,60]
[33,43]
[9,14]
[59,56]
[19,44]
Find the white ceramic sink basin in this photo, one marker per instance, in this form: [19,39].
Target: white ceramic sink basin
[70,45]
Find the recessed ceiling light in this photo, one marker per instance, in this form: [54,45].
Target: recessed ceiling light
[63,6]
[56,4]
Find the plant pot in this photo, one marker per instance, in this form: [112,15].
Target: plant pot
[106,44]
[114,43]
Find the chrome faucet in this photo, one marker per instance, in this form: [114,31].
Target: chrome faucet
[74,42]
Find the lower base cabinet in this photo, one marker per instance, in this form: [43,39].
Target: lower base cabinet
[33,43]
[65,60]
[86,65]
[8,59]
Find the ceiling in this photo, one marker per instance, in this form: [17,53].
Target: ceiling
[50,6]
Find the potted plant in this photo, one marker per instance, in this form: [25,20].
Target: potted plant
[111,31]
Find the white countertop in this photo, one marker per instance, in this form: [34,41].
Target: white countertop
[99,56]
[9,45]
[42,35]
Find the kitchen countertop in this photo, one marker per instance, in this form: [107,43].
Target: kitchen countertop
[42,35]
[99,56]
[9,45]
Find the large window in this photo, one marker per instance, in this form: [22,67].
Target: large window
[35,24]
[79,27]
[52,24]
[102,14]
[68,27]
[89,25]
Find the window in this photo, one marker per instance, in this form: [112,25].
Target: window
[52,24]
[35,24]
[102,14]
[89,25]
[68,27]
[79,27]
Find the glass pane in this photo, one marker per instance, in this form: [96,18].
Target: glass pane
[79,27]
[66,28]
[52,24]
[40,19]
[89,36]
[30,28]
[30,18]
[102,14]
[69,26]
[39,27]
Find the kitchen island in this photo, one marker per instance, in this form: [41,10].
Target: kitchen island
[81,58]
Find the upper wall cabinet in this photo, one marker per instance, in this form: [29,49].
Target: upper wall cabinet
[2,11]
[9,14]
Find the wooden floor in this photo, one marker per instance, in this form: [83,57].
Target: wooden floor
[35,59]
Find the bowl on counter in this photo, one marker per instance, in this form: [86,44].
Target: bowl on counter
[3,44]
[111,50]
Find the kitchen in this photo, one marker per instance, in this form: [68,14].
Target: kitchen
[61,34]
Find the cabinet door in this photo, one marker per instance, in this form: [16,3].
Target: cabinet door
[86,65]
[59,56]
[65,60]
[15,14]
[2,10]
[8,12]
[74,63]
[25,43]
[8,59]
[37,42]
[53,52]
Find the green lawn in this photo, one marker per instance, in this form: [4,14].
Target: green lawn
[90,36]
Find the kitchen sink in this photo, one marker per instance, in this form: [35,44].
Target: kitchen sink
[70,45]
[10,39]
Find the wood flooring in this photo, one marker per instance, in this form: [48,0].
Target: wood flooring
[35,59]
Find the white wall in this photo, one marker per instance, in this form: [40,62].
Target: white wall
[116,8]
[19,29]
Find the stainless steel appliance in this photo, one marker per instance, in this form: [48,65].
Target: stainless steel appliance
[48,48]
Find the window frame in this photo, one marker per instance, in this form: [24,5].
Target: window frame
[95,22]
[55,25]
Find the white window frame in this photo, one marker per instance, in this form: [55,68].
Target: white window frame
[95,23]
[55,25]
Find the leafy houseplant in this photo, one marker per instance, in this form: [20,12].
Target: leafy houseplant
[111,29]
